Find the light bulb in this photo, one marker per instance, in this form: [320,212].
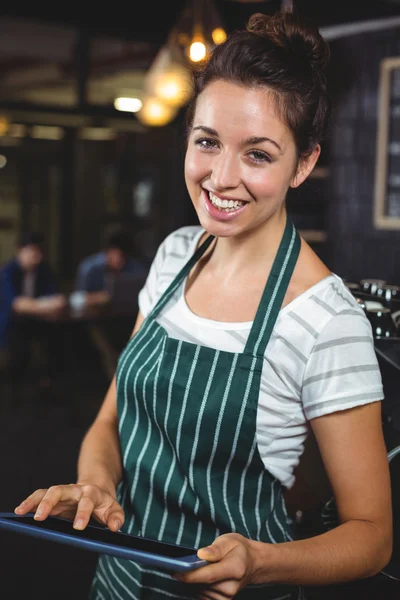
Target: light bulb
[155,112]
[197,51]
[218,35]
[128,104]
[174,87]
[168,79]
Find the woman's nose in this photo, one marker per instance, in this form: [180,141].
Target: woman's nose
[225,172]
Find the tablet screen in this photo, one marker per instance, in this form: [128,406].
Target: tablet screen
[97,533]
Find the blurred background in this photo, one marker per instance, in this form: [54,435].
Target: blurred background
[92,142]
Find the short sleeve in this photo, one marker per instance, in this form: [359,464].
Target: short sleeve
[170,258]
[342,370]
[148,293]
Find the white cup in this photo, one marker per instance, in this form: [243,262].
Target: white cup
[77,300]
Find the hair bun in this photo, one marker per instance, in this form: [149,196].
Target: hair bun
[288,31]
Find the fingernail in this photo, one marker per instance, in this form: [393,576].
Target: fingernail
[117,524]
[209,550]
[39,512]
[79,524]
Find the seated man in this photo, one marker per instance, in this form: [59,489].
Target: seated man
[27,288]
[98,273]
[103,277]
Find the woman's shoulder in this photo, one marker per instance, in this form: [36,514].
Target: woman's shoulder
[331,295]
[174,251]
[183,240]
[335,295]
[327,305]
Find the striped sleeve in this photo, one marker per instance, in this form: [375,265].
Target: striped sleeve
[170,257]
[342,371]
[148,294]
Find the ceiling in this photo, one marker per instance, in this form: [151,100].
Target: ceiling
[41,54]
[150,21]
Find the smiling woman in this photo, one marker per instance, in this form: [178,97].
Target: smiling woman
[234,175]
[244,340]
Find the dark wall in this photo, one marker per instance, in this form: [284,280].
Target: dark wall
[357,249]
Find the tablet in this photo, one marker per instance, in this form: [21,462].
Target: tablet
[100,539]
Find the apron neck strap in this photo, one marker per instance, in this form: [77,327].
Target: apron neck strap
[274,292]
[167,295]
[273,295]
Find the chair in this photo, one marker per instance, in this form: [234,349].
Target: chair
[330,519]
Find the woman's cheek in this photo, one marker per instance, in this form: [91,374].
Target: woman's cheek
[267,185]
[190,161]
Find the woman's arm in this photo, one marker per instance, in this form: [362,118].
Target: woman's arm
[99,461]
[355,457]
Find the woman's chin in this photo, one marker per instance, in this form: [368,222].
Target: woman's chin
[218,229]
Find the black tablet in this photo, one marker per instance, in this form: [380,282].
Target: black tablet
[100,539]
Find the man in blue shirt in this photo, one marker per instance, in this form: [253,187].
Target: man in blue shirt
[98,273]
[27,288]
[115,275]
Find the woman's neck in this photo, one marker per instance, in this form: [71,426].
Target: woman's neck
[254,249]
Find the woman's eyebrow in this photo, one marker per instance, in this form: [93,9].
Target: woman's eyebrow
[248,142]
[206,129]
[259,140]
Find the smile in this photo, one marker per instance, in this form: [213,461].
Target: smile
[225,205]
[222,209]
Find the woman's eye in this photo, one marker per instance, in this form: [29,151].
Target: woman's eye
[206,143]
[259,156]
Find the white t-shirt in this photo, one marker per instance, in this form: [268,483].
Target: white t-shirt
[320,357]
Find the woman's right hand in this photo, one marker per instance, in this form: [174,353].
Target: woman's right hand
[78,502]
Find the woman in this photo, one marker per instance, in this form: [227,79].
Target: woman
[243,338]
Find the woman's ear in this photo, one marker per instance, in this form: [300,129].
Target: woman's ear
[305,167]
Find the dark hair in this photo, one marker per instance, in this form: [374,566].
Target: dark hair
[286,55]
[31,239]
[120,240]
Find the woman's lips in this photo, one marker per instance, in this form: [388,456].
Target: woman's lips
[221,215]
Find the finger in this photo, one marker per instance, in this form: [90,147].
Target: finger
[210,595]
[204,575]
[230,568]
[30,503]
[54,495]
[220,547]
[115,518]
[84,511]
[210,553]
[221,591]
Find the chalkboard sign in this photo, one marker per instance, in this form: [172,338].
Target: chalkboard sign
[387,177]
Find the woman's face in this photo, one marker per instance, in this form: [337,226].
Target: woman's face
[241,159]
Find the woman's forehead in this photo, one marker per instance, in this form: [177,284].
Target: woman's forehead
[243,111]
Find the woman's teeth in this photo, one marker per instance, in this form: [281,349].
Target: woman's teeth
[225,205]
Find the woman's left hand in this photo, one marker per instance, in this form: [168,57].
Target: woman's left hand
[233,562]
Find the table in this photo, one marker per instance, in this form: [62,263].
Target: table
[109,327]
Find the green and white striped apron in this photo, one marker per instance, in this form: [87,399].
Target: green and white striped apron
[187,425]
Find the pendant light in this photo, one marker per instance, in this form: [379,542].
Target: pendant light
[168,83]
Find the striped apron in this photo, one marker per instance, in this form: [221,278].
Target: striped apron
[187,425]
